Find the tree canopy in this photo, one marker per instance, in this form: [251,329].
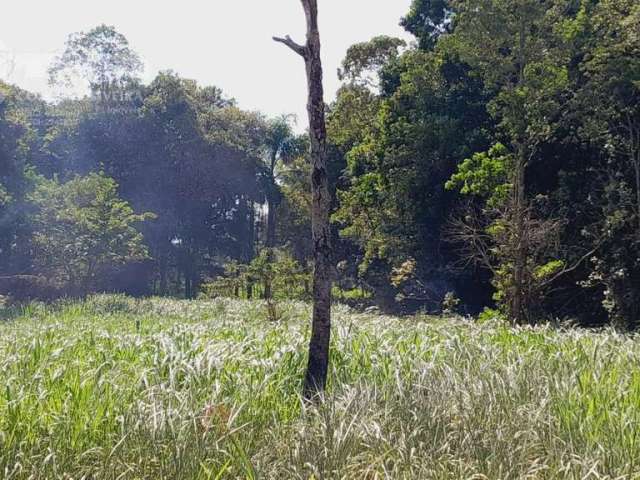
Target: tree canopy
[493,162]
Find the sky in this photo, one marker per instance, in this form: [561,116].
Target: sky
[226,43]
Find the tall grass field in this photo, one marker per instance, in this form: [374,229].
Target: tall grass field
[116,388]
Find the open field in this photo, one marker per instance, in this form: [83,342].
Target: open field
[119,388]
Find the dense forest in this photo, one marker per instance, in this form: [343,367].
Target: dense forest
[492,163]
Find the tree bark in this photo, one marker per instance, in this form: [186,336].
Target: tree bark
[187,284]
[271,224]
[519,201]
[162,266]
[251,243]
[271,205]
[520,250]
[634,153]
[636,169]
[318,363]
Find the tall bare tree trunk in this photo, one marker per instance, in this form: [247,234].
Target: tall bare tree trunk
[317,367]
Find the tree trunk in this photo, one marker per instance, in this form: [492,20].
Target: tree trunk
[251,231]
[271,240]
[251,244]
[187,284]
[195,283]
[318,363]
[271,205]
[520,250]
[162,266]
[271,222]
[635,158]
[633,150]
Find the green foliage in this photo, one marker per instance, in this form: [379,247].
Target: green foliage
[17,143]
[286,277]
[364,58]
[606,33]
[182,151]
[235,128]
[427,20]
[351,295]
[82,227]
[280,142]
[614,267]
[607,116]
[548,269]
[393,205]
[491,316]
[517,50]
[515,122]
[486,175]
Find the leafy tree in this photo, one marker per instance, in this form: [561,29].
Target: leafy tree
[207,180]
[516,48]
[82,227]
[394,205]
[484,235]
[366,58]
[184,152]
[16,146]
[610,94]
[100,57]
[428,20]
[281,145]
[235,128]
[606,110]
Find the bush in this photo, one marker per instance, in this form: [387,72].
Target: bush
[274,269]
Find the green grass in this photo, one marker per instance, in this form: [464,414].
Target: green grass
[119,388]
